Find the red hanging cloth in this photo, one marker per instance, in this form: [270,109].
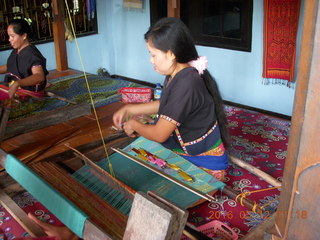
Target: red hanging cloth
[281,18]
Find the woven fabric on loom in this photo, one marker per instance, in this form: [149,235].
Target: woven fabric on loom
[74,88]
[281,19]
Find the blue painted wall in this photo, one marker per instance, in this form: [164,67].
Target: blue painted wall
[120,48]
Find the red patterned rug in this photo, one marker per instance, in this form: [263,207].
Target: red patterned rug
[28,203]
[259,139]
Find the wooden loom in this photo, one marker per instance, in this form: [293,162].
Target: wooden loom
[46,166]
[301,154]
[41,120]
[100,220]
[56,171]
[63,164]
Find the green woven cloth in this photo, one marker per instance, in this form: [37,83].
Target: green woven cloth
[74,88]
[56,203]
[142,179]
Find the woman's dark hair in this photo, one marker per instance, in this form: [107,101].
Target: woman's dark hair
[172,34]
[21,26]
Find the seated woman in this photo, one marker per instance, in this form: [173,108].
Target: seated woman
[26,67]
[191,119]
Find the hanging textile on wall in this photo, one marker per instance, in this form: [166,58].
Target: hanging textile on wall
[132,4]
[281,18]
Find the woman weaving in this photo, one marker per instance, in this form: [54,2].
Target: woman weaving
[191,120]
[26,67]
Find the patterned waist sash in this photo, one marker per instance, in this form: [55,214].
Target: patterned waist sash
[207,151]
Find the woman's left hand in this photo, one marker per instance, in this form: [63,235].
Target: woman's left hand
[128,128]
[13,88]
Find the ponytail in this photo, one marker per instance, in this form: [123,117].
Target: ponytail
[213,89]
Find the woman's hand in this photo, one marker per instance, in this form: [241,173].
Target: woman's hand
[60,232]
[128,127]
[13,88]
[120,116]
[130,110]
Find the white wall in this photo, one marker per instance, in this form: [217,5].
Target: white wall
[120,48]
[239,74]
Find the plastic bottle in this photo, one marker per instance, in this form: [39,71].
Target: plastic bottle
[157,92]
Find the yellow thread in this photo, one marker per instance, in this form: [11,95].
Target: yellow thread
[244,195]
[255,205]
[88,87]
[261,190]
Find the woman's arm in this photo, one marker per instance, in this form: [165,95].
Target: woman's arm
[3,69]
[36,78]
[130,110]
[159,132]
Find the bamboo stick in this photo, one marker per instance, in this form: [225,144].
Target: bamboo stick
[266,177]
[245,201]
[53,95]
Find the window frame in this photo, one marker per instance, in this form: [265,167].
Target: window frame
[8,14]
[192,16]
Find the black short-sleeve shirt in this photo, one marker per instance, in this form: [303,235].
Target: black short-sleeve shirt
[186,102]
[20,65]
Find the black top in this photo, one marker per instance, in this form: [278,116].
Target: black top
[187,102]
[20,65]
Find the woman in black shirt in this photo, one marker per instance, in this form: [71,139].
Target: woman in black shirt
[191,120]
[26,67]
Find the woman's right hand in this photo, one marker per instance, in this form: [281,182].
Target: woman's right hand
[120,116]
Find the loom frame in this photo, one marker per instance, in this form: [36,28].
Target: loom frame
[93,232]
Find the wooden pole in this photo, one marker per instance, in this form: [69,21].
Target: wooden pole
[4,116]
[174,8]
[256,171]
[58,36]
[298,212]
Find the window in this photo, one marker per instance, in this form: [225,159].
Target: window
[40,12]
[216,23]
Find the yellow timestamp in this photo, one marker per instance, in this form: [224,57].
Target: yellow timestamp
[224,215]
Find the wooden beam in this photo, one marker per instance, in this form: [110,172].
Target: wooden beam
[298,213]
[154,217]
[4,116]
[256,171]
[58,36]
[174,8]
[46,119]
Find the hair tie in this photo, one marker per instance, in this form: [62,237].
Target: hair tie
[200,64]
[28,20]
